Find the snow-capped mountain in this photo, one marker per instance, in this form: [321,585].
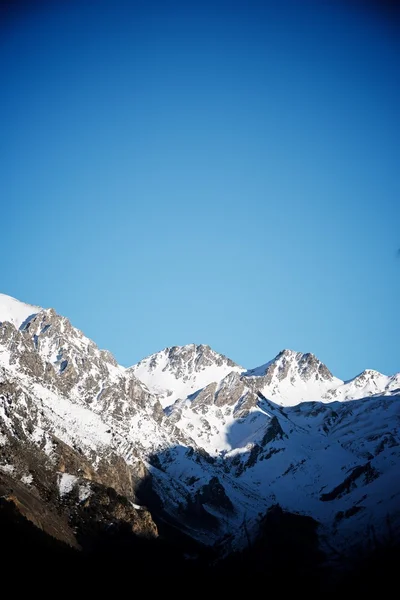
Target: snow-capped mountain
[180,371]
[279,428]
[292,377]
[58,390]
[214,443]
[367,383]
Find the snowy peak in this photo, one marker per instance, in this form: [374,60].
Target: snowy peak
[297,365]
[289,363]
[180,371]
[368,375]
[367,383]
[53,334]
[292,377]
[16,312]
[182,361]
[292,365]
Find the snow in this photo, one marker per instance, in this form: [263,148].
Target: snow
[27,479]
[16,312]
[159,376]
[7,468]
[66,483]
[84,492]
[258,371]
[287,393]
[72,421]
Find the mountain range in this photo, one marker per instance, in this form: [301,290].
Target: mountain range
[188,439]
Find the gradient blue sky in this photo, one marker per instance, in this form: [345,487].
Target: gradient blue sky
[209,172]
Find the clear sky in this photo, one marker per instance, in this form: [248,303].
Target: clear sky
[209,172]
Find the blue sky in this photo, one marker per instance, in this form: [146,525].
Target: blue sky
[209,172]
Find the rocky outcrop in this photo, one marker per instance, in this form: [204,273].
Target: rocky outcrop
[213,493]
[367,472]
[184,360]
[204,398]
[274,432]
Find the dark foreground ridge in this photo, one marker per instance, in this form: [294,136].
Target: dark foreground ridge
[285,557]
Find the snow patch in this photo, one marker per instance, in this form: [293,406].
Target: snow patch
[7,468]
[27,479]
[84,492]
[66,483]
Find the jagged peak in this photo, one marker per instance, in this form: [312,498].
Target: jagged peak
[287,353]
[295,355]
[366,375]
[289,361]
[57,331]
[188,348]
[185,353]
[371,373]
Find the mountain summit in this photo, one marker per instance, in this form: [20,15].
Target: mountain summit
[292,377]
[180,371]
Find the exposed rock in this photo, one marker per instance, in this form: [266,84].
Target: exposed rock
[248,401]
[230,390]
[349,482]
[274,432]
[204,397]
[40,512]
[214,494]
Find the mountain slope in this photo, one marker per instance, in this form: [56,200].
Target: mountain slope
[16,312]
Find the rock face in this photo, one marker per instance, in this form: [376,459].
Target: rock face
[57,485]
[213,493]
[205,445]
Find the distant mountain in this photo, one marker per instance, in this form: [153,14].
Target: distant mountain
[190,439]
[292,377]
[180,371]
